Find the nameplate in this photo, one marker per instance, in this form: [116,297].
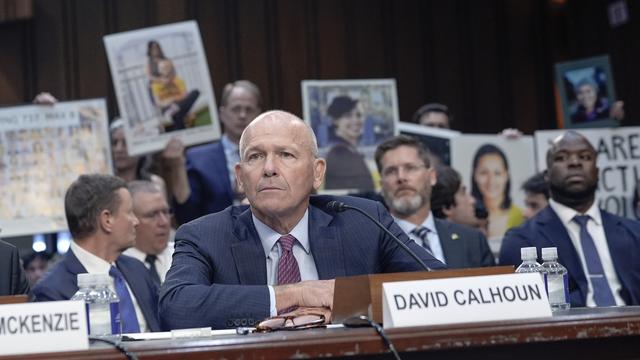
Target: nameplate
[43,327]
[464,300]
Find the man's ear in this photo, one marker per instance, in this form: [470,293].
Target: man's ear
[237,169]
[319,169]
[105,221]
[447,211]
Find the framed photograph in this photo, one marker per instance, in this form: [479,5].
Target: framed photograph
[350,118]
[618,166]
[43,149]
[493,169]
[163,86]
[587,93]
[438,141]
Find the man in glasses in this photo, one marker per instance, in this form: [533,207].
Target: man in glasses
[407,178]
[152,245]
[241,265]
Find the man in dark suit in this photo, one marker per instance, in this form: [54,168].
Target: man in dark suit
[243,264]
[600,250]
[207,183]
[407,177]
[12,278]
[100,216]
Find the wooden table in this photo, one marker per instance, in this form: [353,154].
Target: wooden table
[607,333]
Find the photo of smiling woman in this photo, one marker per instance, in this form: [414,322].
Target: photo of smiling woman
[346,167]
[491,187]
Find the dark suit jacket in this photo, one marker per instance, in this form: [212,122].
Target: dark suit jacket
[218,275]
[211,190]
[60,283]
[463,247]
[12,279]
[546,230]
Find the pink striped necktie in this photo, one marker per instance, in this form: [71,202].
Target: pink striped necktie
[288,270]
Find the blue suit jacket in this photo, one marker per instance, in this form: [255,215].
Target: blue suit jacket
[463,246]
[218,275]
[211,190]
[547,230]
[60,283]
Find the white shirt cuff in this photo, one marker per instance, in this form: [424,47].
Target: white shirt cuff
[272,301]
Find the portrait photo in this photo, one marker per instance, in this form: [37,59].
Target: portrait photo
[350,118]
[163,86]
[493,169]
[587,93]
[437,141]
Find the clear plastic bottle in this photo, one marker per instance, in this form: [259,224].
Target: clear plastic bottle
[102,304]
[85,283]
[556,280]
[529,256]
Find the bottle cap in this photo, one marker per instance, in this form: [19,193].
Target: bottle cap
[549,253]
[528,253]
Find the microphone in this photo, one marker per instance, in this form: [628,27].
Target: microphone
[339,206]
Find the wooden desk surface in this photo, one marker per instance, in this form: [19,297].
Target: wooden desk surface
[610,333]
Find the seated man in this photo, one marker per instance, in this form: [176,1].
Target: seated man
[450,199]
[241,265]
[407,177]
[536,195]
[598,248]
[12,278]
[100,216]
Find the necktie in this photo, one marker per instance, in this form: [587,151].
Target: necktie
[128,316]
[602,294]
[288,270]
[153,272]
[422,232]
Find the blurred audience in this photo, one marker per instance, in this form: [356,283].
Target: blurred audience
[536,195]
[450,199]
[35,264]
[12,278]
[434,115]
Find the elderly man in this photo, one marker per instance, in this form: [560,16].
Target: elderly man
[406,177]
[207,184]
[12,278]
[100,216]
[598,248]
[152,245]
[238,266]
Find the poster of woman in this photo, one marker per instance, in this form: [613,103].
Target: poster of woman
[163,86]
[349,118]
[587,93]
[494,169]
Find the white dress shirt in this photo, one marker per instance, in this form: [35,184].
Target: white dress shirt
[596,230]
[163,260]
[301,251]
[432,236]
[96,265]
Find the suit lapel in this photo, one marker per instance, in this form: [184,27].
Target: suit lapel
[450,247]
[556,234]
[326,245]
[619,244]
[73,268]
[248,252]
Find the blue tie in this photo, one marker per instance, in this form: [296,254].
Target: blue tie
[422,232]
[602,294]
[127,310]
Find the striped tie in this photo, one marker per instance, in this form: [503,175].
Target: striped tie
[288,270]
[422,233]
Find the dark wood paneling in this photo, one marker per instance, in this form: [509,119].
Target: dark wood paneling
[491,61]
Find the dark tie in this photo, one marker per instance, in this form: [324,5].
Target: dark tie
[151,259]
[288,270]
[128,316]
[602,294]
[422,232]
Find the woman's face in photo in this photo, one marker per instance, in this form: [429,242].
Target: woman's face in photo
[491,175]
[350,125]
[587,96]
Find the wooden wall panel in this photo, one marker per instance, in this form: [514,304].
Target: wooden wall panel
[491,61]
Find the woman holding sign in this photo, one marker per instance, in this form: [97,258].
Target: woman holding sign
[491,186]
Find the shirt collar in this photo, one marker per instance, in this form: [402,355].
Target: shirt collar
[407,226]
[566,214]
[92,263]
[269,237]
[227,144]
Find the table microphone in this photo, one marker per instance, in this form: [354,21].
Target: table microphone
[339,206]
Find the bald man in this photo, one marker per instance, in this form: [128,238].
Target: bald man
[598,249]
[241,265]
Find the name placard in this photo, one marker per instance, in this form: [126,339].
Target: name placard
[43,327]
[464,299]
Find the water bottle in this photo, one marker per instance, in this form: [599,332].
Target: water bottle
[85,283]
[102,304]
[109,300]
[556,280]
[529,255]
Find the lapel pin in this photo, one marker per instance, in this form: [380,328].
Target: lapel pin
[454,236]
